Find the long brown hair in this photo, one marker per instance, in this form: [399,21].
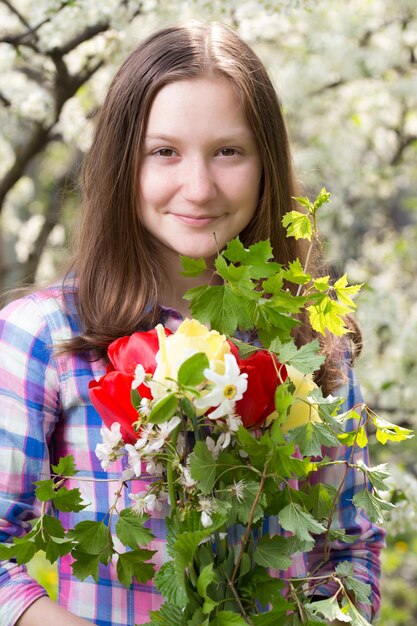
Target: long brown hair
[118,271]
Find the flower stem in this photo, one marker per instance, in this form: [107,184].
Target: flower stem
[246,536]
[170,472]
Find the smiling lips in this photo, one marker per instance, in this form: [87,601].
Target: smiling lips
[204,220]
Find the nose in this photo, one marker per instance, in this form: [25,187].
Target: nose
[198,184]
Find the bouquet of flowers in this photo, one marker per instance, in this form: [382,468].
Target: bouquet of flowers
[230,425]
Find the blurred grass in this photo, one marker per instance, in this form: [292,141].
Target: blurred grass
[45,573]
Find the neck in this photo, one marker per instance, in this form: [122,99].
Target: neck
[175,285]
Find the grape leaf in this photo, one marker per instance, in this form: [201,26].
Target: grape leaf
[218,306]
[328,608]
[227,618]
[310,437]
[192,267]
[298,225]
[45,489]
[344,292]
[91,537]
[85,564]
[131,565]
[130,529]
[68,500]
[361,590]
[296,274]
[272,552]
[372,504]
[65,467]
[299,522]
[203,467]
[305,359]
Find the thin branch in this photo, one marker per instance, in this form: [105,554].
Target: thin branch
[86,35]
[13,10]
[52,217]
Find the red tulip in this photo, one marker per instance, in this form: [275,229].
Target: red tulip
[111,395]
[265,373]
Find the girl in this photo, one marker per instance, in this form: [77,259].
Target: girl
[190,141]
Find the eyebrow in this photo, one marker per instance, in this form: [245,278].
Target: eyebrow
[233,135]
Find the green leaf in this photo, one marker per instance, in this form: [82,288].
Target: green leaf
[310,437]
[328,314]
[243,506]
[299,522]
[91,537]
[235,251]
[131,565]
[322,284]
[168,615]
[372,505]
[56,549]
[198,619]
[23,552]
[135,398]
[206,577]
[191,372]
[283,398]
[130,529]
[328,608]
[296,274]
[164,409]
[227,618]
[322,198]
[65,467]
[266,589]
[305,359]
[320,500]
[45,490]
[377,475]
[298,225]
[85,565]
[272,552]
[339,534]
[275,617]
[192,267]
[245,349]
[361,590]
[186,545]
[203,467]
[66,500]
[53,526]
[166,583]
[357,618]
[267,316]
[218,306]
[355,437]
[386,431]
[344,292]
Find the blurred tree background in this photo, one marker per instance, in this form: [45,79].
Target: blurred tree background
[347,75]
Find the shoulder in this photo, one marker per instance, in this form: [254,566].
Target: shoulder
[47,315]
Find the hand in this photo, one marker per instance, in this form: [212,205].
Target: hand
[45,612]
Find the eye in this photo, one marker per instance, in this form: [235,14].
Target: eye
[228,152]
[164,152]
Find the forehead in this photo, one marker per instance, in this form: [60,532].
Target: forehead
[207,102]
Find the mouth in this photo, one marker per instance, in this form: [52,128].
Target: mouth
[202,220]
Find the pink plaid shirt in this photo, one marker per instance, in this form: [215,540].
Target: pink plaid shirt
[45,413]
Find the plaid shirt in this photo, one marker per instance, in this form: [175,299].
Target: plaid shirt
[45,413]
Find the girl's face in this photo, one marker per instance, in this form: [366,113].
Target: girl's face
[199,181]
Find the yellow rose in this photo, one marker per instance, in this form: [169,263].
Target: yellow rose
[191,337]
[301,410]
